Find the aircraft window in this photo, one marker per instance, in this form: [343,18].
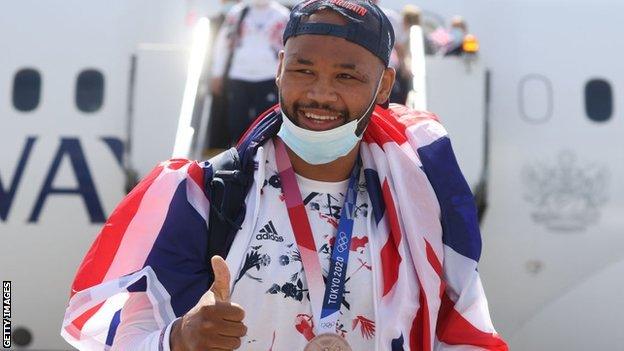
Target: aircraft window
[598,100]
[89,90]
[26,89]
[535,98]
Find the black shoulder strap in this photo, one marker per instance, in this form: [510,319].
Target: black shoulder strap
[233,40]
[228,189]
[231,181]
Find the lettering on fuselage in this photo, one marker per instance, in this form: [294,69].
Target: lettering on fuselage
[71,148]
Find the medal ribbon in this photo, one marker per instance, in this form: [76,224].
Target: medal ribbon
[329,305]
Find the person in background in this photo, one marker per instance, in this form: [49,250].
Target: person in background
[457,32]
[410,16]
[245,60]
[218,134]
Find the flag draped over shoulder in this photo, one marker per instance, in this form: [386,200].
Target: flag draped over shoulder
[152,242]
[426,231]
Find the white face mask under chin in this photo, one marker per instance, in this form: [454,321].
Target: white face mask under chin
[320,147]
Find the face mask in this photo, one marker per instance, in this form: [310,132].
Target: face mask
[319,147]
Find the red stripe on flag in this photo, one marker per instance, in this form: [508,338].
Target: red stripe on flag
[381,130]
[390,257]
[80,321]
[98,259]
[176,163]
[388,125]
[197,174]
[454,329]
[436,264]
[433,259]
[420,334]
[407,117]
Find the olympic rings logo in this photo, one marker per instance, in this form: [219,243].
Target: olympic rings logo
[341,246]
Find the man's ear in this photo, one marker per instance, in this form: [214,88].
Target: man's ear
[278,74]
[387,81]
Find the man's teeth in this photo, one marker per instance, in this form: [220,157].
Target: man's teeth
[320,118]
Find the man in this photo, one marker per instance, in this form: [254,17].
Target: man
[342,244]
[245,59]
[218,130]
[457,33]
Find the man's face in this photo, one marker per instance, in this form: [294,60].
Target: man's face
[326,81]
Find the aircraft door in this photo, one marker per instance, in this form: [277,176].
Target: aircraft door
[456,92]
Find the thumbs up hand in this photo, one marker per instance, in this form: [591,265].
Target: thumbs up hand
[215,322]
[221,285]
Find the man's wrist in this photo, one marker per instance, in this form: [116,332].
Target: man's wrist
[175,336]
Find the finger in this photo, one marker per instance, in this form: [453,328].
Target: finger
[224,342]
[219,311]
[221,285]
[233,312]
[235,329]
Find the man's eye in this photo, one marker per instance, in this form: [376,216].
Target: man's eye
[345,76]
[304,71]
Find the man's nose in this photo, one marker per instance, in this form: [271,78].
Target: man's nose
[322,90]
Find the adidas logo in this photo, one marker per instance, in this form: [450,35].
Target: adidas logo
[268,232]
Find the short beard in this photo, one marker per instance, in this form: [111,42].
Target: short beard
[362,124]
[292,115]
[364,121]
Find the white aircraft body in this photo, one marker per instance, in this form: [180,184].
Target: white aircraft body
[553,251]
[65,88]
[93,92]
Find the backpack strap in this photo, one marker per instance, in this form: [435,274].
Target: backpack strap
[232,177]
[236,35]
[228,189]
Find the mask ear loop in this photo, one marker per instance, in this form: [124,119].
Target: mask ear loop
[370,107]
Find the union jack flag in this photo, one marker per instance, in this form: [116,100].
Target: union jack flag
[427,242]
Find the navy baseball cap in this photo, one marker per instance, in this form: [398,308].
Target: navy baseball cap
[367,25]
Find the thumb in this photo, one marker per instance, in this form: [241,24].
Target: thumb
[221,285]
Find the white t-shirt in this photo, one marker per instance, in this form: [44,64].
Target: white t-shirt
[255,57]
[271,285]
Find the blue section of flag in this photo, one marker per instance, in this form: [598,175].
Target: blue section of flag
[112,329]
[264,130]
[179,253]
[139,285]
[397,344]
[459,213]
[374,193]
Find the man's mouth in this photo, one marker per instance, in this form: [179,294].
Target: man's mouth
[319,120]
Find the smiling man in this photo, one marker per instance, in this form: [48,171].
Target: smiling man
[358,231]
[329,86]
